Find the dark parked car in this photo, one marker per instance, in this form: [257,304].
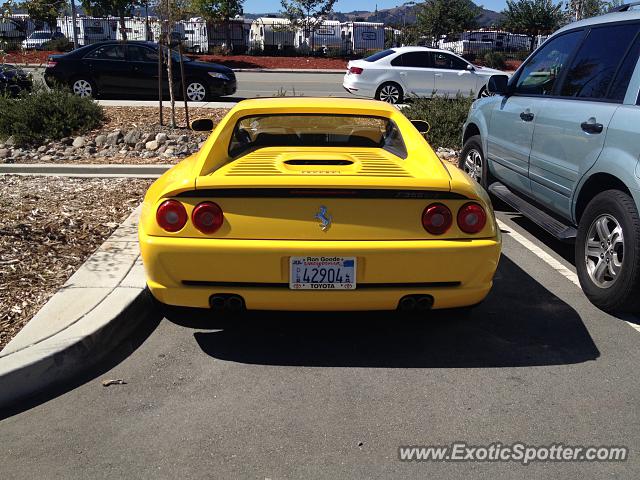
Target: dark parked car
[116,68]
[14,80]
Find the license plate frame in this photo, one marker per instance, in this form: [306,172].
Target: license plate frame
[301,273]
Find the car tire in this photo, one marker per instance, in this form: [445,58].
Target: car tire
[197,90]
[607,252]
[84,87]
[483,92]
[473,162]
[390,92]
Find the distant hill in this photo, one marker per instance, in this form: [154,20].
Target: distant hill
[395,16]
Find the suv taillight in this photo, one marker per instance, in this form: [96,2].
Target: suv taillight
[471,218]
[437,218]
[356,70]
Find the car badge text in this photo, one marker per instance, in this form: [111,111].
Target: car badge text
[324,218]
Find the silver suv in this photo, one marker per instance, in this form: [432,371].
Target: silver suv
[560,142]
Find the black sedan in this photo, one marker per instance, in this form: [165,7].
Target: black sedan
[14,80]
[130,69]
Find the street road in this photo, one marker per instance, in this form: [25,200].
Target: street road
[268,84]
[278,396]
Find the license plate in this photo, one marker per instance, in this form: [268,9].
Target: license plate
[322,273]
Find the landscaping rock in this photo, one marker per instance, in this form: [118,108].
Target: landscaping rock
[113,137]
[147,137]
[152,145]
[132,137]
[42,149]
[66,141]
[4,153]
[161,138]
[46,158]
[78,142]
[140,146]
[11,141]
[101,140]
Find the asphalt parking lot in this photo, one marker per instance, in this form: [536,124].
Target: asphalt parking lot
[334,395]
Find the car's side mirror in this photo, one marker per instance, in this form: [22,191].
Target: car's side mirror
[422,126]
[471,68]
[202,125]
[498,85]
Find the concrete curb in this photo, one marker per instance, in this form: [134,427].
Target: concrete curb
[84,170]
[94,311]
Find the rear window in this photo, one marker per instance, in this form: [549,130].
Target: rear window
[377,56]
[251,133]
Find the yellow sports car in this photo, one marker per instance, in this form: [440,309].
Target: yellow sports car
[317,204]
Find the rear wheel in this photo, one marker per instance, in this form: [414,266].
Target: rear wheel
[83,87]
[390,92]
[607,252]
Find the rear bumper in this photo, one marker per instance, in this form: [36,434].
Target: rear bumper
[358,88]
[187,271]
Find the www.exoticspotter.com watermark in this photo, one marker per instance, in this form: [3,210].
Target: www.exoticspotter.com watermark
[515,452]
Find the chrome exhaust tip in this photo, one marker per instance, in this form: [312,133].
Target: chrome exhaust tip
[217,302]
[235,304]
[424,303]
[407,304]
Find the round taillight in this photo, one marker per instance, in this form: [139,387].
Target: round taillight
[436,218]
[207,217]
[171,215]
[471,218]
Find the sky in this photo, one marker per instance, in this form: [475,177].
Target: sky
[265,6]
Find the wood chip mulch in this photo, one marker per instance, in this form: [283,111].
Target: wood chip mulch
[48,227]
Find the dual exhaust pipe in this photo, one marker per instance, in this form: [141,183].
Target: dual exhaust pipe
[226,302]
[415,303]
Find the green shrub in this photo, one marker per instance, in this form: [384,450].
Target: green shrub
[47,114]
[445,115]
[495,60]
[60,44]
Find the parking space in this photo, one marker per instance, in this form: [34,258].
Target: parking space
[303,395]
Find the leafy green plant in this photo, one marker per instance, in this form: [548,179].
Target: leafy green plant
[445,115]
[33,117]
[495,60]
[60,44]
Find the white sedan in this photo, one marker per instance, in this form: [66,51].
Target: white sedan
[392,75]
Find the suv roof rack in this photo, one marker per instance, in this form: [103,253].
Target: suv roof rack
[625,7]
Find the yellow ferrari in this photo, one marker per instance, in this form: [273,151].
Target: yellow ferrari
[317,204]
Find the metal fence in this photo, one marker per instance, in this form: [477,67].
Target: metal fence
[262,36]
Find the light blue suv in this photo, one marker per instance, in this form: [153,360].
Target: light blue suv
[560,142]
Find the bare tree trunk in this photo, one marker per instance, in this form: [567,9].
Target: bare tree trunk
[170,67]
[123,27]
[160,78]
[184,87]
[227,35]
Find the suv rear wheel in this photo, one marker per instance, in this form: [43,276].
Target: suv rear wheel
[608,252]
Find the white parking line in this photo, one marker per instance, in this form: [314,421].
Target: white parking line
[549,260]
